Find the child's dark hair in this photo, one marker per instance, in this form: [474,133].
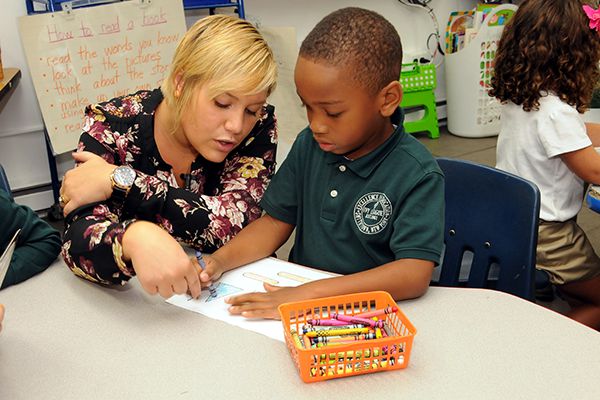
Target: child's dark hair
[362,41]
[547,46]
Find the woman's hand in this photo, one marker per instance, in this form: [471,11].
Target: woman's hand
[161,264]
[263,305]
[87,183]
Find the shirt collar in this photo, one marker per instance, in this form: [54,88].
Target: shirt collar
[365,165]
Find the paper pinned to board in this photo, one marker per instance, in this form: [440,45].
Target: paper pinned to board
[7,256]
[249,278]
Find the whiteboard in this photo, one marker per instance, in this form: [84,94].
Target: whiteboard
[94,54]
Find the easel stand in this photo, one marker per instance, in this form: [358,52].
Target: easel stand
[55,211]
[48,6]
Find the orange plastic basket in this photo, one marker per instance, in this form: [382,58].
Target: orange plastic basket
[337,360]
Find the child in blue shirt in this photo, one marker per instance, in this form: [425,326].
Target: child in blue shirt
[365,198]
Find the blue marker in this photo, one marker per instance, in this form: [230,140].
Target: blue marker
[211,288]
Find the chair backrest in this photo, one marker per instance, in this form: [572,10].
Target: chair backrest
[4,185]
[494,215]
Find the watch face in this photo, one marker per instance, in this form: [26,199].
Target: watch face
[124,176]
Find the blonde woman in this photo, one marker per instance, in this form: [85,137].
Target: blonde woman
[188,162]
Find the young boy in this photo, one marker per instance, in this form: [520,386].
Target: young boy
[365,197]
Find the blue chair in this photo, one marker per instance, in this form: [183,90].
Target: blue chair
[492,216]
[4,185]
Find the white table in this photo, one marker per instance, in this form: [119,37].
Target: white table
[65,338]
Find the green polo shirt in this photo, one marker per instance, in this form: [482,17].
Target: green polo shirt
[38,244]
[355,215]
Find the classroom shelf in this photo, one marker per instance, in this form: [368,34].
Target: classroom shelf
[11,77]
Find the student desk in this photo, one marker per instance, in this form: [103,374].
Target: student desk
[65,338]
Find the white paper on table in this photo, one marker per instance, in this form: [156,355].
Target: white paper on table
[249,278]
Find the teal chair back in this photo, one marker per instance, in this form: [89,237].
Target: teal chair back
[492,216]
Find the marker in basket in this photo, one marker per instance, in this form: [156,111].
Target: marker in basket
[211,288]
[357,320]
[378,313]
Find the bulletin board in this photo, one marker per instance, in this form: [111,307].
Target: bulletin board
[94,54]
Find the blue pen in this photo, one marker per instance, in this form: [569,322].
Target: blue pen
[211,288]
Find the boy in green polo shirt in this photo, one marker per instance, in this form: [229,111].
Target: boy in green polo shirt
[366,199]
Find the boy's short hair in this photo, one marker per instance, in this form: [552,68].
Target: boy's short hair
[227,53]
[362,41]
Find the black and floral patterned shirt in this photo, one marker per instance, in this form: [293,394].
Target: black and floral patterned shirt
[218,201]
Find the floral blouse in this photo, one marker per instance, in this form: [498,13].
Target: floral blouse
[218,200]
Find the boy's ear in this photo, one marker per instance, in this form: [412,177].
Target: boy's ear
[391,96]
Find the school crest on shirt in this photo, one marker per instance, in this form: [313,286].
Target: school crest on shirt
[372,212]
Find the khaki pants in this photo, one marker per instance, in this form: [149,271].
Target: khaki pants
[565,252]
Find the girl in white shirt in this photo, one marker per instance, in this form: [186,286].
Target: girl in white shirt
[546,68]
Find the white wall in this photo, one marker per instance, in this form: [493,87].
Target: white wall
[22,150]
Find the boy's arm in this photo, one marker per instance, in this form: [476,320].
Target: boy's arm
[403,279]
[258,240]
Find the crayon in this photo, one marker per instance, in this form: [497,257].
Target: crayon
[344,339]
[211,288]
[386,328]
[357,320]
[310,328]
[296,339]
[377,313]
[326,322]
[337,332]
[307,342]
[384,331]
[378,334]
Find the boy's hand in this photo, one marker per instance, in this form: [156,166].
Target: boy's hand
[213,271]
[263,305]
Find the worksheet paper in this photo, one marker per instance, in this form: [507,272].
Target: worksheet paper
[249,278]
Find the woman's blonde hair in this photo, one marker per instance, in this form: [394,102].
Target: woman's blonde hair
[224,52]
